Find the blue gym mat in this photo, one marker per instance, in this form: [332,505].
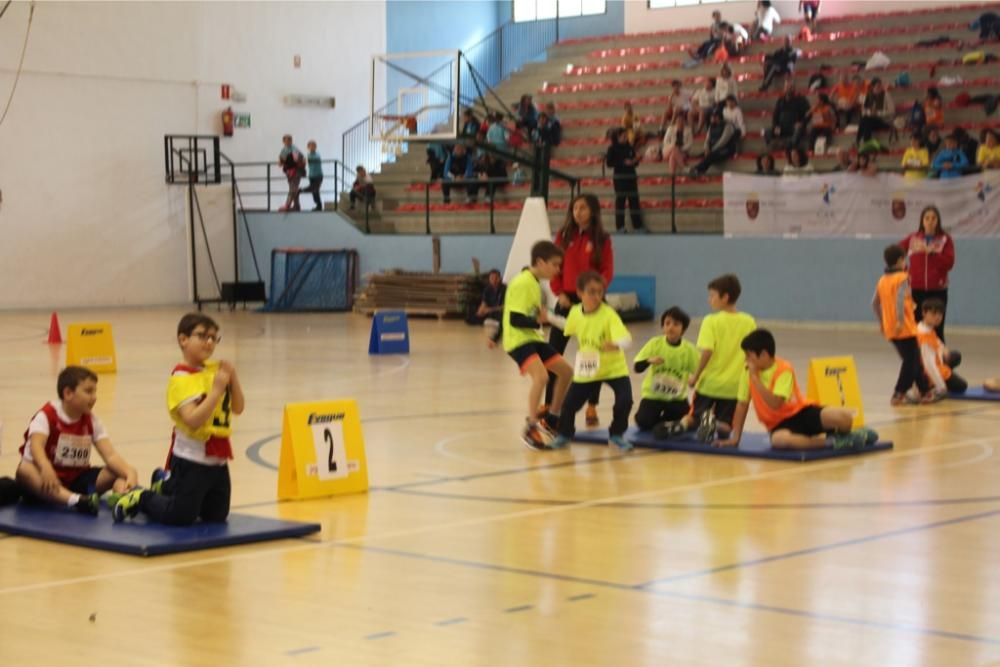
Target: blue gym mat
[756,445]
[139,538]
[976,394]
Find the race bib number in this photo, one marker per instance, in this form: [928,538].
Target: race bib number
[667,385]
[73,451]
[587,363]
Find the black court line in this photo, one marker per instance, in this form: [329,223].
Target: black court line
[519,608]
[300,651]
[451,621]
[381,635]
[582,596]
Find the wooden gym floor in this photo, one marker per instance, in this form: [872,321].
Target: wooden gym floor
[472,550]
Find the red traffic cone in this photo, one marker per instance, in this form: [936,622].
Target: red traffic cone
[55,338]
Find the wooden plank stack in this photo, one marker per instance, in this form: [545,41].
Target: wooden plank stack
[419,293]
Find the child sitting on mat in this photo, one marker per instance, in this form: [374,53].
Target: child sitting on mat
[671,361]
[794,423]
[55,457]
[202,397]
[602,338]
[938,360]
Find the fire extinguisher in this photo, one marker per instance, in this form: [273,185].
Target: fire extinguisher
[227,122]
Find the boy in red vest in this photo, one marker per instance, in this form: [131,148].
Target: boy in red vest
[938,360]
[202,397]
[794,423]
[55,457]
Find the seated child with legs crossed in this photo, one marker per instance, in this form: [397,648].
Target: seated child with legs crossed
[202,397]
[794,423]
[718,375]
[55,457]
[938,360]
[523,316]
[602,339]
[671,361]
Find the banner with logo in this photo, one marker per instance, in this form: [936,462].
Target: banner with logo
[847,204]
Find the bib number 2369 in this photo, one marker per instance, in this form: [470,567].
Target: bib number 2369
[331,452]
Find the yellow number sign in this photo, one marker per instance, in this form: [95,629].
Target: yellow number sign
[322,451]
[91,345]
[834,381]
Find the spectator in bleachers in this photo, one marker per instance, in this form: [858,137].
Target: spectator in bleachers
[933,108]
[527,114]
[470,124]
[933,141]
[988,155]
[822,123]
[725,86]
[950,162]
[732,113]
[765,165]
[810,11]
[846,97]
[622,159]
[988,25]
[553,125]
[363,188]
[677,144]
[845,161]
[702,104]
[628,124]
[547,133]
[877,111]
[436,155]
[764,19]
[779,63]
[714,40]
[720,143]
[459,168]
[493,169]
[497,134]
[968,144]
[866,164]
[916,159]
[735,39]
[797,162]
[293,164]
[678,102]
[788,121]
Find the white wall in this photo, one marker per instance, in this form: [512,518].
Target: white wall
[640,18]
[86,218]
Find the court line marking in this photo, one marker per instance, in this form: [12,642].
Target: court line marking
[381,635]
[451,621]
[985,454]
[300,651]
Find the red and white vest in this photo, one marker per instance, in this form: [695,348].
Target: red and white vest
[68,446]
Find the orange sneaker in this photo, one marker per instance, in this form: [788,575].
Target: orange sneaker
[592,420]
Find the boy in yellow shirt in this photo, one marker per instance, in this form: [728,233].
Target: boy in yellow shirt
[602,338]
[202,397]
[893,306]
[916,160]
[717,377]
[671,361]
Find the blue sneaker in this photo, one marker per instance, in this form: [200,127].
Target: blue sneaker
[620,442]
[559,442]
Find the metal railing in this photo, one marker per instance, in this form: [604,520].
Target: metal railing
[268,184]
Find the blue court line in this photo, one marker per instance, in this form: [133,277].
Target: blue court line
[300,651]
[451,621]
[822,548]
[754,606]
[381,635]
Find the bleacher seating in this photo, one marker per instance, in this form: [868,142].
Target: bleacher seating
[589,80]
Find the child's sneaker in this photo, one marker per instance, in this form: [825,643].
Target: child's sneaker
[868,436]
[128,506]
[667,430]
[707,427]
[559,442]
[902,399]
[620,442]
[592,420]
[111,498]
[534,437]
[157,479]
[933,396]
[88,504]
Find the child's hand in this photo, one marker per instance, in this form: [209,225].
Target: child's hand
[728,442]
[656,361]
[543,316]
[222,377]
[50,481]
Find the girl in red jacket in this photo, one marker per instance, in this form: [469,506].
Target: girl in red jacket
[931,255]
[586,247]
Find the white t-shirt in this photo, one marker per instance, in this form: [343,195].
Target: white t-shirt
[186,447]
[768,18]
[726,87]
[735,116]
[703,98]
[40,424]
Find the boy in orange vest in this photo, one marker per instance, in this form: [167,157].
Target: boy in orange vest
[937,359]
[793,422]
[893,306]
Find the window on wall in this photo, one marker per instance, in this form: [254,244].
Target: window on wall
[540,10]
[663,4]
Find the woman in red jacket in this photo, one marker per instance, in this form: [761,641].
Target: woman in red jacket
[931,256]
[587,247]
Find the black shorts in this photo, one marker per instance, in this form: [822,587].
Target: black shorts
[84,484]
[540,349]
[725,408]
[806,421]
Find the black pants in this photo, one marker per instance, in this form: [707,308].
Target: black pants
[652,412]
[715,157]
[870,125]
[955,383]
[10,491]
[191,492]
[919,296]
[314,185]
[471,188]
[790,137]
[707,48]
[558,341]
[578,394]
[847,117]
[817,132]
[912,369]
[772,71]
[629,192]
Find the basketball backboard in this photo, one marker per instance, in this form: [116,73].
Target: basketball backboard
[414,97]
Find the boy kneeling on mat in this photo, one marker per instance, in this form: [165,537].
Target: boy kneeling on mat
[793,422]
[202,397]
[55,457]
